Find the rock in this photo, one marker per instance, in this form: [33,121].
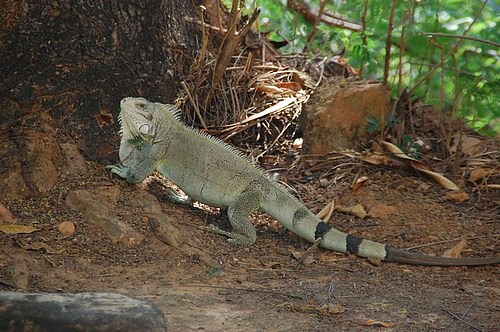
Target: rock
[78,312]
[336,117]
[164,229]
[66,228]
[97,208]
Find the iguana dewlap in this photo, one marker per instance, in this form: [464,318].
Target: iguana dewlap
[210,171]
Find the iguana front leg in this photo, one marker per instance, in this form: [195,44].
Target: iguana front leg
[243,232]
[138,165]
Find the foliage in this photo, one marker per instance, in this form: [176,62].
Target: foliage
[466,82]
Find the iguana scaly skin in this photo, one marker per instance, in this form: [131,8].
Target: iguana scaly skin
[210,171]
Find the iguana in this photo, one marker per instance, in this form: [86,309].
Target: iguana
[211,171]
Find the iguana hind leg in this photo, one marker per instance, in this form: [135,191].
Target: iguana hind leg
[243,232]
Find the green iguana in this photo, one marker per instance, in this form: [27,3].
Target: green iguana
[210,171]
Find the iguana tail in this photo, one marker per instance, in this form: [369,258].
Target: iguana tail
[293,215]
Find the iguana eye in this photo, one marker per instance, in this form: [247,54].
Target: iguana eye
[140,104]
[144,129]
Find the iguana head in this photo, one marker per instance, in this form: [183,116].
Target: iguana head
[137,119]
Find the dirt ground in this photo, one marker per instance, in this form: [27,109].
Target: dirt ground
[201,282]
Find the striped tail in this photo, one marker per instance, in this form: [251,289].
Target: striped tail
[294,216]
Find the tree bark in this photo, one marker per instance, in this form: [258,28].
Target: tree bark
[77,59]
[66,65]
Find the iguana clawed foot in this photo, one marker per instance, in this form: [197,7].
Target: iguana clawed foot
[119,170]
[124,172]
[175,197]
[233,237]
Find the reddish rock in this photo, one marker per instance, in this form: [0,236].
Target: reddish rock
[336,116]
[98,209]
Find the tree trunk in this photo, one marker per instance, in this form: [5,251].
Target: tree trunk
[65,66]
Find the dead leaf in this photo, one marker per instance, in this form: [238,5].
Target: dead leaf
[440,179]
[457,196]
[17,229]
[418,165]
[456,250]
[421,167]
[359,182]
[356,210]
[371,322]
[480,173]
[273,265]
[271,89]
[395,150]
[374,158]
[103,118]
[343,62]
[326,213]
[290,85]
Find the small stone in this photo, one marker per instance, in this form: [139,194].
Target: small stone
[66,228]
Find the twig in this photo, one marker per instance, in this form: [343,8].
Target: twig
[479,40]
[363,34]
[315,26]
[401,52]
[273,109]
[195,106]
[273,143]
[329,18]
[453,50]
[453,240]
[388,41]
[309,251]
[8,284]
[464,321]
[468,308]
[231,41]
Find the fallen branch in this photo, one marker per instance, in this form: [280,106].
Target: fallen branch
[309,251]
[463,321]
[440,34]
